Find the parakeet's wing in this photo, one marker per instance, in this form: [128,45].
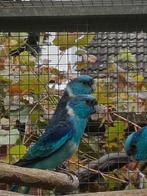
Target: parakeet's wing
[60,112]
[48,143]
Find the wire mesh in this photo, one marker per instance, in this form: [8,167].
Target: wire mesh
[62,3]
[34,71]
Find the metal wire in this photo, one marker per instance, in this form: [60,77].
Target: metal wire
[62,3]
[34,70]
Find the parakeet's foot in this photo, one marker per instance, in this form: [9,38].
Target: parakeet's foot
[62,166]
[71,174]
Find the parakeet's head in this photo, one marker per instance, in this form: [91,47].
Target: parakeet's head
[83,84]
[136,145]
[82,106]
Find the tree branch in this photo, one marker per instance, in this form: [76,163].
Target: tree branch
[103,164]
[45,179]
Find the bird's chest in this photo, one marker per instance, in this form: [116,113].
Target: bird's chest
[141,147]
[79,127]
[72,148]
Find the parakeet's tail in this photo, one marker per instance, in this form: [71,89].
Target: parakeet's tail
[21,189]
[21,163]
[17,188]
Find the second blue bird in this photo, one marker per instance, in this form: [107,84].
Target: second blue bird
[136,145]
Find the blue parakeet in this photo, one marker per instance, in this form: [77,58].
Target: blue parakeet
[136,145]
[83,84]
[61,140]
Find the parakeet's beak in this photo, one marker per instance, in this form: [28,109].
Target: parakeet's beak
[95,104]
[92,103]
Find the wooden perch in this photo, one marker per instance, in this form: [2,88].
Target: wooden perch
[8,193]
[140,192]
[37,178]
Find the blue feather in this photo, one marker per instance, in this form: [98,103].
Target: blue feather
[136,145]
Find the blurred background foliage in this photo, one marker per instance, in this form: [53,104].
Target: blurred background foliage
[28,98]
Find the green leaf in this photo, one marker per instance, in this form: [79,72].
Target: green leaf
[138,77]
[112,184]
[65,40]
[130,186]
[4,80]
[4,84]
[90,144]
[115,133]
[26,58]
[93,143]
[13,43]
[33,83]
[19,37]
[35,116]
[15,153]
[126,55]
[84,41]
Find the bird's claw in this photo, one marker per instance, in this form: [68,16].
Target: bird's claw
[61,167]
[70,174]
[65,171]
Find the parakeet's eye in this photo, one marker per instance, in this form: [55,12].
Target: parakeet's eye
[91,102]
[132,150]
[89,83]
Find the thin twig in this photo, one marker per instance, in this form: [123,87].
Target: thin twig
[98,172]
[32,49]
[87,155]
[126,120]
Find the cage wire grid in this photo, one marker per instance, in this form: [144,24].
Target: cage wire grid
[34,71]
[64,3]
